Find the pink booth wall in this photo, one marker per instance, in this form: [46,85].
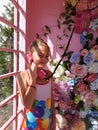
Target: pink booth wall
[45,12]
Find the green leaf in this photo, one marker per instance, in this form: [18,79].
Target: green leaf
[97,40]
[62,15]
[48,29]
[77,99]
[58,24]
[68,53]
[81,105]
[89,36]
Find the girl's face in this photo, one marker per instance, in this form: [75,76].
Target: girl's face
[41,56]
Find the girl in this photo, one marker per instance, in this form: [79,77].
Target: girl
[35,89]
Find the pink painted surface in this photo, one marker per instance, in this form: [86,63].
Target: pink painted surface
[42,12]
[45,12]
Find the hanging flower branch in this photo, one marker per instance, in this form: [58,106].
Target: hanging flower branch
[64,54]
[65,22]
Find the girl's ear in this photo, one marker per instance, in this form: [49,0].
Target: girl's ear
[29,58]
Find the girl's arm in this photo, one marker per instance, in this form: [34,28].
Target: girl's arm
[26,85]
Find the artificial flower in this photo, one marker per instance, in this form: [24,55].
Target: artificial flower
[94,24]
[93,68]
[83,39]
[79,70]
[89,58]
[75,58]
[95,53]
[84,52]
[75,88]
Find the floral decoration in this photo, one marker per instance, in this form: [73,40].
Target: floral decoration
[76,87]
[94,24]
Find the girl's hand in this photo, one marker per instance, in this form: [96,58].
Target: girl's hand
[32,75]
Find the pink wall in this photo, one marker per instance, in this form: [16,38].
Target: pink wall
[40,13]
[45,12]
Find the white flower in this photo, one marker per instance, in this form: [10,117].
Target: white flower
[94,85]
[93,68]
[59,72]
[61,121]
[94,24]
[83,114]
[95,102]
[94,123]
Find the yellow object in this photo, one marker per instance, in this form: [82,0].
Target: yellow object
[80,125]
[95,53]
[73,2]
[45,123]
[38,128]
[77,99]
[48,103]
[24,123]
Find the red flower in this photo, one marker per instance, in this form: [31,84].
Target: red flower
[91,77]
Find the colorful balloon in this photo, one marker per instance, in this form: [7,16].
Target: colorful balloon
[32,125]
[38,128]
[46,114]
[26,128]
[39,120]
[39,111]
[35,103]
[24,123]
[48,103]
[45,123]
[32,110]
[41,103]
[30,117]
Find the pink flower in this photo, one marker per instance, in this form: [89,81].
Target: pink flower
[79,70]
[95,47]
[69,74]
[88,97]
[81,87]
[62,105]
[84,52]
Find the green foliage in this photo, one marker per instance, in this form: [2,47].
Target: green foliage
[6,58]
[6,88]
[3,62]
[9,15]
[89,36]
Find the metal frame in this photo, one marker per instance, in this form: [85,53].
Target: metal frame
[19,27]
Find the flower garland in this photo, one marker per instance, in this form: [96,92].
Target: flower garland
[76,87]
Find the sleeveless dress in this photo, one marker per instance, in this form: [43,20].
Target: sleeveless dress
[40,115]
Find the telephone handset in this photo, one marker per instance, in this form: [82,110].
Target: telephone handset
[41,73]
[29,58]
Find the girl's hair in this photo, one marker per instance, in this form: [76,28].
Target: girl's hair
[37,43]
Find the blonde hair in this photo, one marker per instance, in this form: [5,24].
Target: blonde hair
[38,43]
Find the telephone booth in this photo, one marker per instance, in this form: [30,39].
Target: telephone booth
[30,18]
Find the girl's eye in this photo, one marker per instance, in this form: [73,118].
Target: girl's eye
[47,57]
[40,55]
